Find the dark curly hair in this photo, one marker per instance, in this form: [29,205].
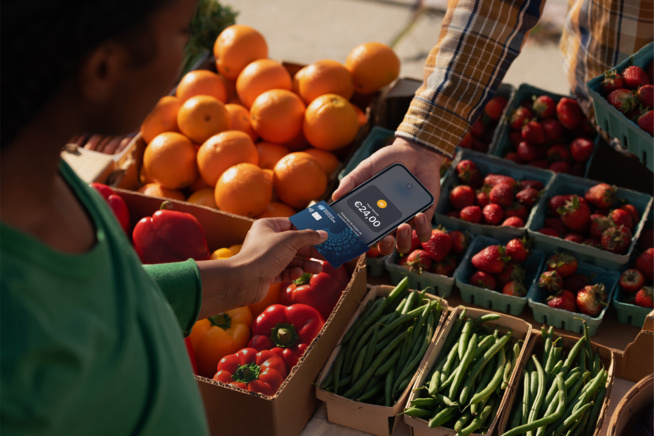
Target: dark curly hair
[43,42]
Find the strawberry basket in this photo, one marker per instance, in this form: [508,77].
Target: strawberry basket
[627,312]
[565,319]
[615,123]
[567,184]
[495,299]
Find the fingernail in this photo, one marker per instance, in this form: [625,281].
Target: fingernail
[323,234]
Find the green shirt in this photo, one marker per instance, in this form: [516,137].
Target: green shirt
[90,343]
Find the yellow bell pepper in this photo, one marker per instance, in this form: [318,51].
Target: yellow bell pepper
[215,337]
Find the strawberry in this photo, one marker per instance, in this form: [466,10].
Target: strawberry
[564,300]
[418,261]
[558,152]
[527,197]
[563,263]
[645,264]
[514,288]
[482,197]
[581,149]
[644,297]
[533,184]
[478,128]
[622,218]
[551,281]
[593,242]
[445,267]
[460,241]
[439,244]
[517,249]
[575,282]
[553,129]
[598,223]
[468,173]
[533,132]
[555,224]
[483,280]
[645,95]
[513,157]
[548,232]
[492,214]
[633,212]
[495,107]
[646,239]
[616,239]
[574,237]
[591,299]
[646,122]
[513,221]
[518,210]
[556,202]
[491,259]
[373,252]
[462,196]
[575,214]
[612,81]
[634,76]
[466,141]
[502,194]
[494,179]
[601,195]
[512,271]
[622,99]
[519,116]
[544,106]
[471,214]
[569,113]
[415,241]
[559,167]
[529,151]
[631,280]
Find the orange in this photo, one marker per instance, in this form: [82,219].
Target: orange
[362,117]
[243,189]
[203,197]
[201,82]
[201,117]
[277,115]
[199,183]
[223,150]
[221,253]
[323,77]
[239,119]
[237,46]
[327,160]
[298,143]
[156,190]
[270,153]
[330,122]
[298,178]
[259,76]
[162,118]
[169,159]
[373,65]
[230,88]
[277,209]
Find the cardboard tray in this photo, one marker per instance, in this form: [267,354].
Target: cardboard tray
[494,299]
[521,329]
[567,184]
[488,164]
[615,123]
[535,346]
[229,410]
[370,418]
[501,145]
[564,319]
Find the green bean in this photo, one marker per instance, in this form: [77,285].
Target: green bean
[498,345]
[463,420]
[371,346]
[401,287]
[417,412]
[338,364]
[540,394]
[388,387]
[485,378]
[516,415]
[553,358]
[452,356]
[597,408]
[572,355]
[550,408]
[463,338]
[435,379]
[388,365]
[455,331]
[487,317]
[478,420]
[366,318]
[358,362]
[369,393]
[567,422]
[463,366]
[425,402]
[411,299]
[442,399]
[495,381]
[593,386]
[442,417]
[526,398]
[547,344]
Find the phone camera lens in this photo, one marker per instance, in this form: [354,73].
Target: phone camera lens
[409,185]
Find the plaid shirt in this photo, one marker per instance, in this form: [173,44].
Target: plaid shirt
[478,41]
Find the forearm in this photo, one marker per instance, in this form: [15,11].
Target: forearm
[478,42]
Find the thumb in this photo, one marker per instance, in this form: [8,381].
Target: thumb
[302,238]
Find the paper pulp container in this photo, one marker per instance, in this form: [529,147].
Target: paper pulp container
[567,184]
[564,319]
[521,331]
[488,164]
[615,123]
[370,418]
[489,298]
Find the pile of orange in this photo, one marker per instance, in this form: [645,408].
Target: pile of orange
[251,138]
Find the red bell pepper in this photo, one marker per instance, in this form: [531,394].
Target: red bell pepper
[252,370]
[320,291]
[286,330]
[170,236]
[116,203]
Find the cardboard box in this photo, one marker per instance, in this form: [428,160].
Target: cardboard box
[375,419]
[521,330]
[535,346]
[236,411]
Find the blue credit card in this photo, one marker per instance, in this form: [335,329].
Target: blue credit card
[342,244]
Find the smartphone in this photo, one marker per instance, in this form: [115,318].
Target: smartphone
[378,206]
